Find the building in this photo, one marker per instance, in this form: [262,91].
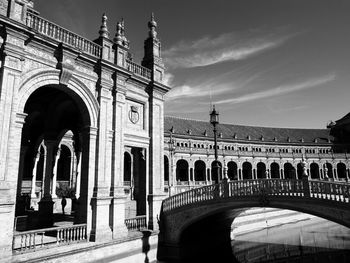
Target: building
[80,119]
[247,152]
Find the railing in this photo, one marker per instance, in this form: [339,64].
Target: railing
[261,187]
[37,239]
[136,223]
[138,69]
[63,35]
[330,190]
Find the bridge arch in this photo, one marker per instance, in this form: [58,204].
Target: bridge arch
[209,211]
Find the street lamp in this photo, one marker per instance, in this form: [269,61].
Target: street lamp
[214,120]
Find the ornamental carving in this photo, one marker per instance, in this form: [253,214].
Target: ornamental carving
[134,115]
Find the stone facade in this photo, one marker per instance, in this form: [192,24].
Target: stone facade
[61,91]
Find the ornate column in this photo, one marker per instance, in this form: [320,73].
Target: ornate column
[55,171]
[36,160]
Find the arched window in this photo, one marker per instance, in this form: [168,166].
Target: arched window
[232,171]
[314,171]
[289,171]
[261,170]
[247,170]
[182,170]
[341,170]
[199,171]
[166,169]
[329,170]
[275,170]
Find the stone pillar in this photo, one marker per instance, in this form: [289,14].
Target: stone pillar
[335,173]
[281,173]
[267,174]
[240,174]
[78,175]
[36,160]
[225,171]
[46,203]
[254,174]
[54,177]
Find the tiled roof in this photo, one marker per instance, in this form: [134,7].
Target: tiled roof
[343,121]
[239,132]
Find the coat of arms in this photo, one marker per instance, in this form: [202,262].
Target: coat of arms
[134,114]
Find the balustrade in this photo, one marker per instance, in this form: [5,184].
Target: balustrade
[36,239]
[61,34]
[138,69]
[277,187]
[136,223]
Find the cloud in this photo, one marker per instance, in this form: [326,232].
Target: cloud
[187,91]
[284,89]
[226,47]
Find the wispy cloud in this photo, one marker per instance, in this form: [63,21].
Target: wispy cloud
[226,47]
[281,90]
[187,91]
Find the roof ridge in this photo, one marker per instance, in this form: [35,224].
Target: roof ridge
[243,125]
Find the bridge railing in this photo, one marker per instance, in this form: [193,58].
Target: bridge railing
[334,191]
[261,187]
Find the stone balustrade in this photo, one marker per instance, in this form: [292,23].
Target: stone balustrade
[136,223]
[285,187]
[63,35]
[138,69]
[35,239]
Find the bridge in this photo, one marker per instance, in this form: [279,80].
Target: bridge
[196,224]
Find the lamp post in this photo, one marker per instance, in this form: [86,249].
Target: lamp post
[214,120]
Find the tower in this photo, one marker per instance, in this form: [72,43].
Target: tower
[152,58]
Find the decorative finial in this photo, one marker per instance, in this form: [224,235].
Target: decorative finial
[152,25]
[120,38]
[103,29]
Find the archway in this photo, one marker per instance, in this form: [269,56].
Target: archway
[199,171]
[300,170]
[182,170]
[275,170]
[289,171]
[329,171]
[247,170]
[232,170]
[51,111]
[127,168]
[341,170]
[166,170]
[314,171]
[261,170]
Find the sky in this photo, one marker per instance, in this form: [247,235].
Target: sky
[272,63]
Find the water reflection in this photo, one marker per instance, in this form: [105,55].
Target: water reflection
[311,240]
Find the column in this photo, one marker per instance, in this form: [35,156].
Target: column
[36,160]
[254,174]
[55,171]
[46,203]
[240,174]
[335,172]
[225,170]
[78,175]
[281,173]
[209,175]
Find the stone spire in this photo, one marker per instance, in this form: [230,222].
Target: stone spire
[120,38]
[152,25]
[152,57]
[103,29]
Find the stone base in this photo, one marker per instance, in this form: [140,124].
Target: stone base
[45,213]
